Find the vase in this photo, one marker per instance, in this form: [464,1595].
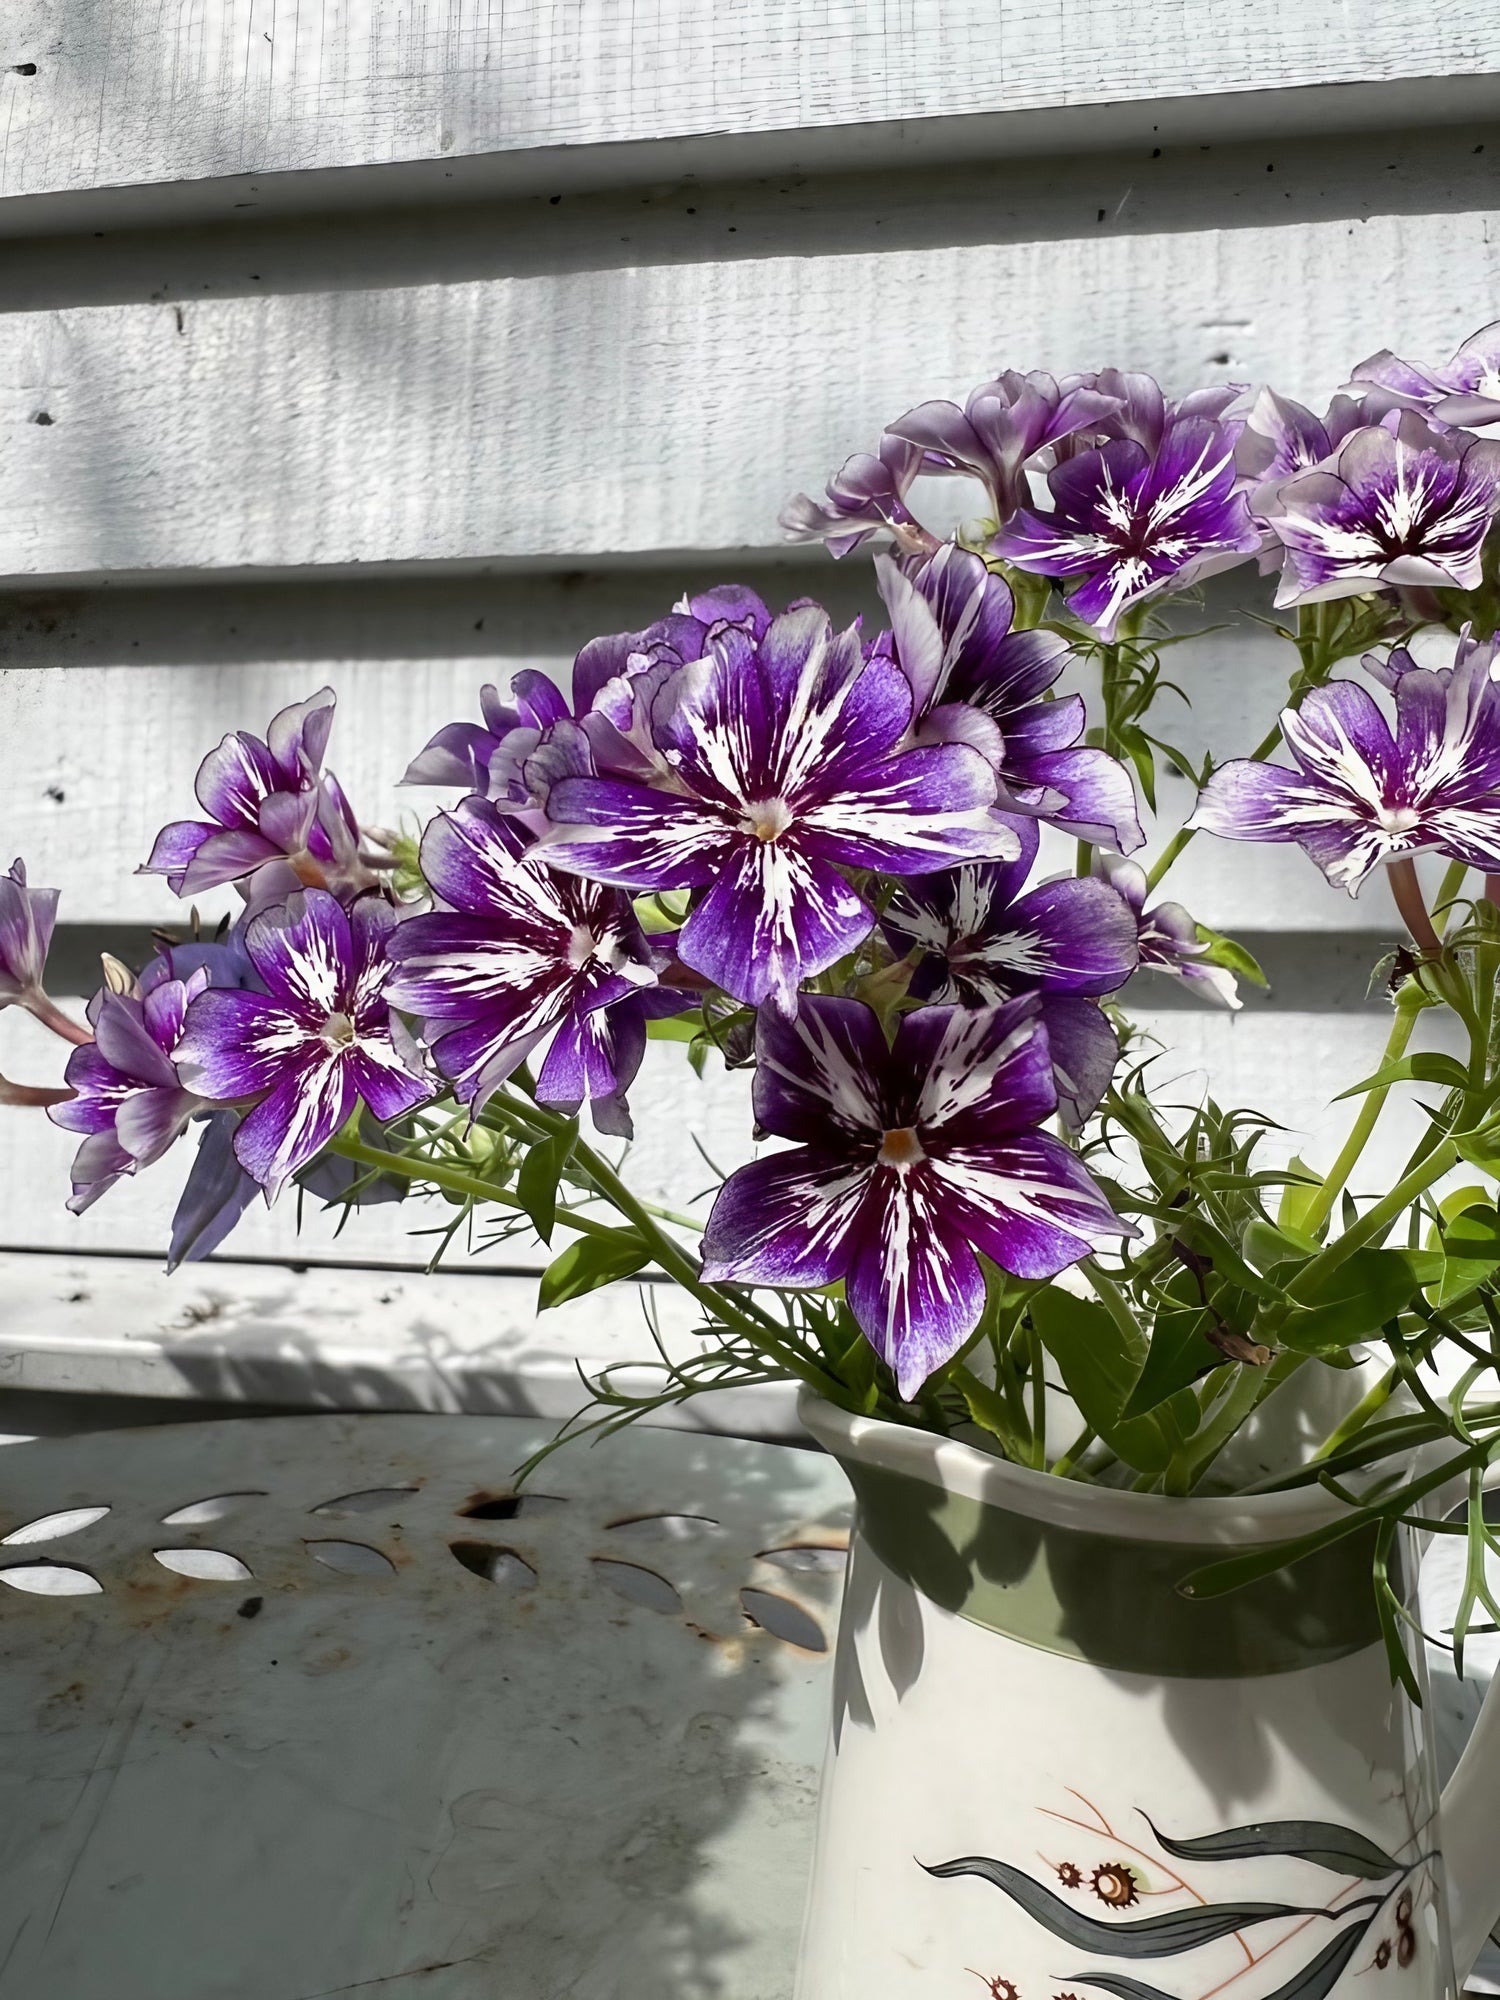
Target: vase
[1055,1773]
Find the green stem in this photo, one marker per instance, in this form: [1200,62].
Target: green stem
[1373,1400]
[1066,1466]
[1189,1465]
[1321,1205]
[455,1181]
[1038,1401]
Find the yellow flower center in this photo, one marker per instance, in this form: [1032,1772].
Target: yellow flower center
[900,1147]
[767,819]
[338,1031]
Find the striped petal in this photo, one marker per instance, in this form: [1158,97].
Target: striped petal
[307,1108]
[775,916]
[820,1072]
[785,1220]
[914,1284]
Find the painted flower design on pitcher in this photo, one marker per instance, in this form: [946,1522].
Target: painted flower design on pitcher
[1387,1906]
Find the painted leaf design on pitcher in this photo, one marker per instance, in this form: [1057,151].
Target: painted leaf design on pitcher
[1319,1841]
[1144,1937]
[1313,1982]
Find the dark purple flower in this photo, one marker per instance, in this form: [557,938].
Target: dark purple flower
[975,680]
[1465,390]
[1401,504]
[27,916]
[907,1160]
[984,938]
[866,497]
[785,770]
[462,753]
[1127,523]
[274,814]
[1168,935]
[518,952]
[1004,427]
[316,1043]
[129,1102]
[1361,795]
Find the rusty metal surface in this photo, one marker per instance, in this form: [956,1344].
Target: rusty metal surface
[432,1743]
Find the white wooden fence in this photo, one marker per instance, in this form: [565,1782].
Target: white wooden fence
[403,346]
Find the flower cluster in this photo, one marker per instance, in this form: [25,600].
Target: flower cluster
[893,867]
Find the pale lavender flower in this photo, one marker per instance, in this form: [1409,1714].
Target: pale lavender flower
[785,770]
[1465,390]
[975,680]
[866,497]
[1127,522]
[1361,794]
[1168,936]
[1401,504]
[315,1044]
[276,819]
[984,937]
[518,952]
[1004,427]
[27,917]
[906,1161]
[1282,438]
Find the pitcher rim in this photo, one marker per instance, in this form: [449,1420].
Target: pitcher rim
[959,1468]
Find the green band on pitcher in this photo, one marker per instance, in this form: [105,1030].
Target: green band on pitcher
[1112,1601]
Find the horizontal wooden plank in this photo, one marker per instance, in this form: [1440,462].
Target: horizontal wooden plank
[101,746]
[231,1332]
[155,95]
[1287,1065]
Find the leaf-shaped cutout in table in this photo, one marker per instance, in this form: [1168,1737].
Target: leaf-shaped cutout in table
[203,1565]
[53,1527]
[44,1579]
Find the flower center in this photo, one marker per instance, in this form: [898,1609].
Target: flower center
[900,1147]
[338,1031]
[581,947]
[1397,819]
[766,818]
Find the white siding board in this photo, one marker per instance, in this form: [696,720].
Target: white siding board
[636,411]
[160,93]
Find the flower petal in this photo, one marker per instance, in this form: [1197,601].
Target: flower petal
[784,1220]
[303,950]
[774,917]
[307,1108]
[821,1071]
[914,1283]
[236,1045]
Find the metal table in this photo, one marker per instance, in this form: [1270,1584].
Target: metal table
[315,1706]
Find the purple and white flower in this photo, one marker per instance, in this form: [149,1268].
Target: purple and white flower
[317,1042]
[984,937]
[518,952]
[275,817]
[464,753]
[1282,438]
[1004,427]
[128,1102]
[1127,523]
[906,1160]
[1465,390]
[1401,504]
[866,497]
[1167,935]
[786,770]
[975,680]
[1362,794]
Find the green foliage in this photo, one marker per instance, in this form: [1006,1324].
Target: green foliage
[590,1262]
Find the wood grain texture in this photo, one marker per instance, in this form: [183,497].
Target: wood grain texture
[239,1332]
[637,410]
[158,93]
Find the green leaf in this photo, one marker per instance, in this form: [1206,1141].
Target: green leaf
[541,1170]
[1233,957]
[675,1027]
[1481,1149]
[1352,1301]
[1322,1842]
[1470,1248]
[589,1263]
[1266,1245]
[1297,1197]
[1179,1352]
[1437,1069]
[1144,1937]
[1099,1372]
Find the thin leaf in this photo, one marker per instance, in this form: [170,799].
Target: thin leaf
[1146,1937]
[1099,1373]
[1438,1069]
[1322,1842]
[541,1170]
[589,1263]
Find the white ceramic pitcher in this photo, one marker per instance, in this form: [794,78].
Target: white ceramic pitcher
[1052,1776]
